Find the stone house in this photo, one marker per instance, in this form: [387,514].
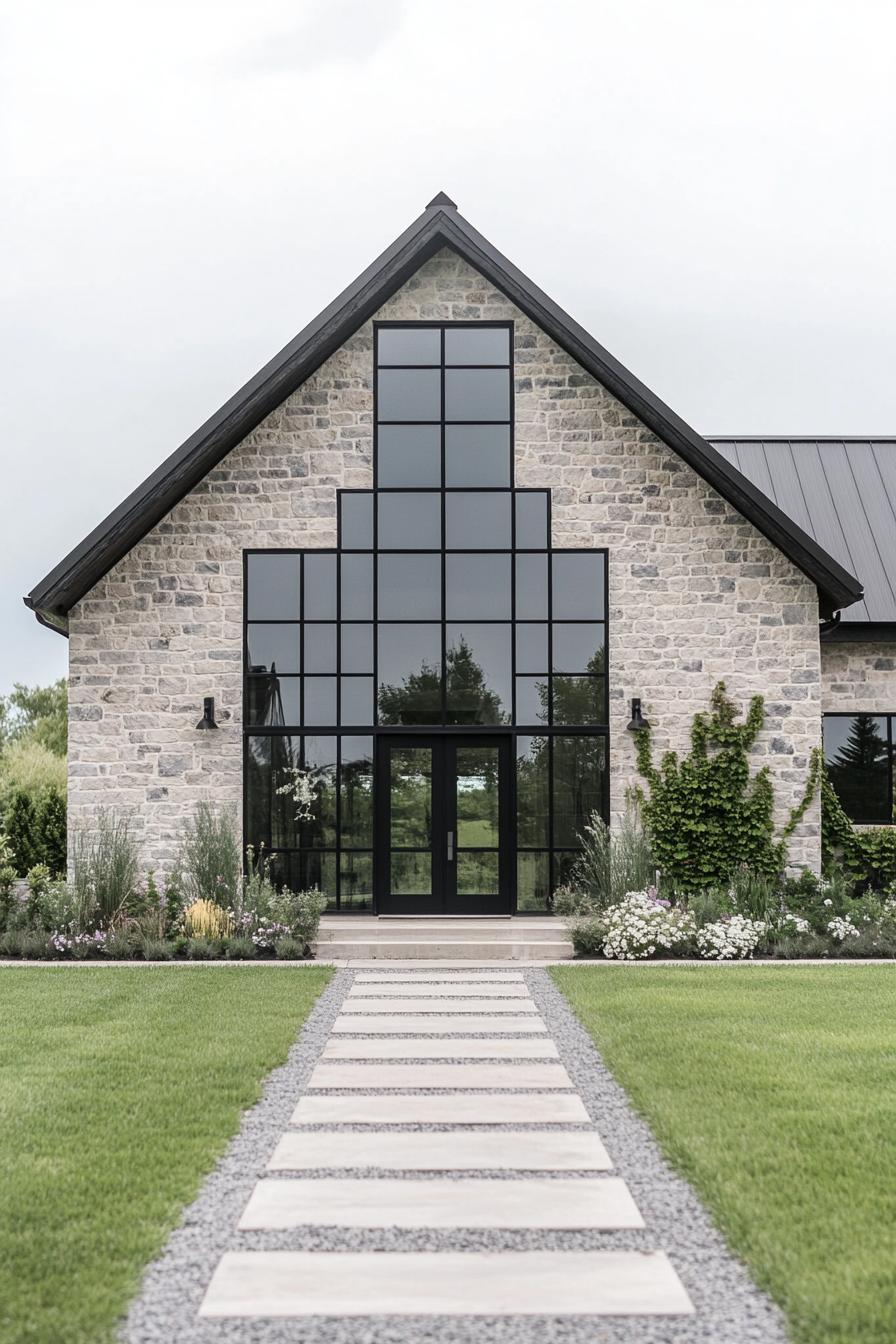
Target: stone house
[431,554]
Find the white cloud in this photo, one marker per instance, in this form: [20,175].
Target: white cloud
[709,188]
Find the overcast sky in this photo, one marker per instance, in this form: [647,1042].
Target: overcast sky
[708,187]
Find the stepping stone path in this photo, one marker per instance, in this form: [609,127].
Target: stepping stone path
[464,1120]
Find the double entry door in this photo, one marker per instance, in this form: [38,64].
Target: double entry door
[443,825]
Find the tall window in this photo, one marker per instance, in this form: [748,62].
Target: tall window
[443,607]
[859,751]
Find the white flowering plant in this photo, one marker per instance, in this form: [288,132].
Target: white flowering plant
[841,929]
[732,939]
[642,925]
[301,788]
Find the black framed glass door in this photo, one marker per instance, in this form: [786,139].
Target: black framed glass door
[443,826]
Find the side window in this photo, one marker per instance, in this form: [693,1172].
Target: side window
[858,750]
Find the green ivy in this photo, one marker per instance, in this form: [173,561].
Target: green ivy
[706,814]
[868,854]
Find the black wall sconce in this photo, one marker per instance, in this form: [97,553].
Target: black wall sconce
[637,720]
[208,713]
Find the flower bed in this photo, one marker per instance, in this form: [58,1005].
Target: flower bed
[208,908]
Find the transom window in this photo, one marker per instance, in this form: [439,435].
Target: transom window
[443,607]
[859,750]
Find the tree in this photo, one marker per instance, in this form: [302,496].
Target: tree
[38,713]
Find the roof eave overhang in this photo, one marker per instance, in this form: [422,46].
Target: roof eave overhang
[861,632]
[439,226]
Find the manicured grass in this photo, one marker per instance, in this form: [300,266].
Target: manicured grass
[774,1091]
[119,1089]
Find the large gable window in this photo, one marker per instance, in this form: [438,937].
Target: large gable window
[859,751]
[444,616]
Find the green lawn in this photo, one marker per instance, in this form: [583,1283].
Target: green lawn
[118,1091]
[774,1091]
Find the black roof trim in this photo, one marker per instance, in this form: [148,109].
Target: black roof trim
[861,632]
[439,226]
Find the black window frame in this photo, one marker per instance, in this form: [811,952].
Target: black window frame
[375,731]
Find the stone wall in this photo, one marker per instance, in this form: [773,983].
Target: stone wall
[858,677]
[696,593]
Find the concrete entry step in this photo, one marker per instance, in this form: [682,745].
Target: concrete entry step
[372,938]
[470,949]
[461,1283]
[601,1203]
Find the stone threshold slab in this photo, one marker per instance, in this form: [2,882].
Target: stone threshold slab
[465,1150]
[462,1047]
[457,978]
[564,1204]
[379,1075]
[438,1024]
[442,990]
[480,1283]
[435,1005]
[458,1108]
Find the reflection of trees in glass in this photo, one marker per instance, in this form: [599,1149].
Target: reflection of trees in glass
[419,698]
[532,793]
[579,766]
[410,796]
[265,699]
[858,769]
[477,796]
[356,819]
[579,699]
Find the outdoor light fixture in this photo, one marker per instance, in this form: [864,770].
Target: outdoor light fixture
[208,713]
[637,719]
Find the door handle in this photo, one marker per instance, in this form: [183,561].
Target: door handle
[450,846]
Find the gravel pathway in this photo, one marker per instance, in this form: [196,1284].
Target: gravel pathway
[729,1309]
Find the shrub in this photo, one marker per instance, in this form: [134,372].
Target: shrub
[299,912]
[706,907]
[587,937]
[202,949]
[289,949]
[106,866]
[157,949]
[21,830]
[30,766]
[51,823]
[755,895]
[208,865]
[206,919]
[9,902]
[38,880]
[730,939]
[612,862]
[123,942]
[239,949]
[28,944]
[256,890]
[642,925]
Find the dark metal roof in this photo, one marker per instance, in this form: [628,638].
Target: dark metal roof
[439,226]
[843,493]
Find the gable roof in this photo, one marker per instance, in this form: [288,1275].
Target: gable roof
[440,225]
[842,489]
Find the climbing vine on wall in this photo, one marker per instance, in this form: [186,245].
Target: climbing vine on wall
[868,853]
[706,813]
